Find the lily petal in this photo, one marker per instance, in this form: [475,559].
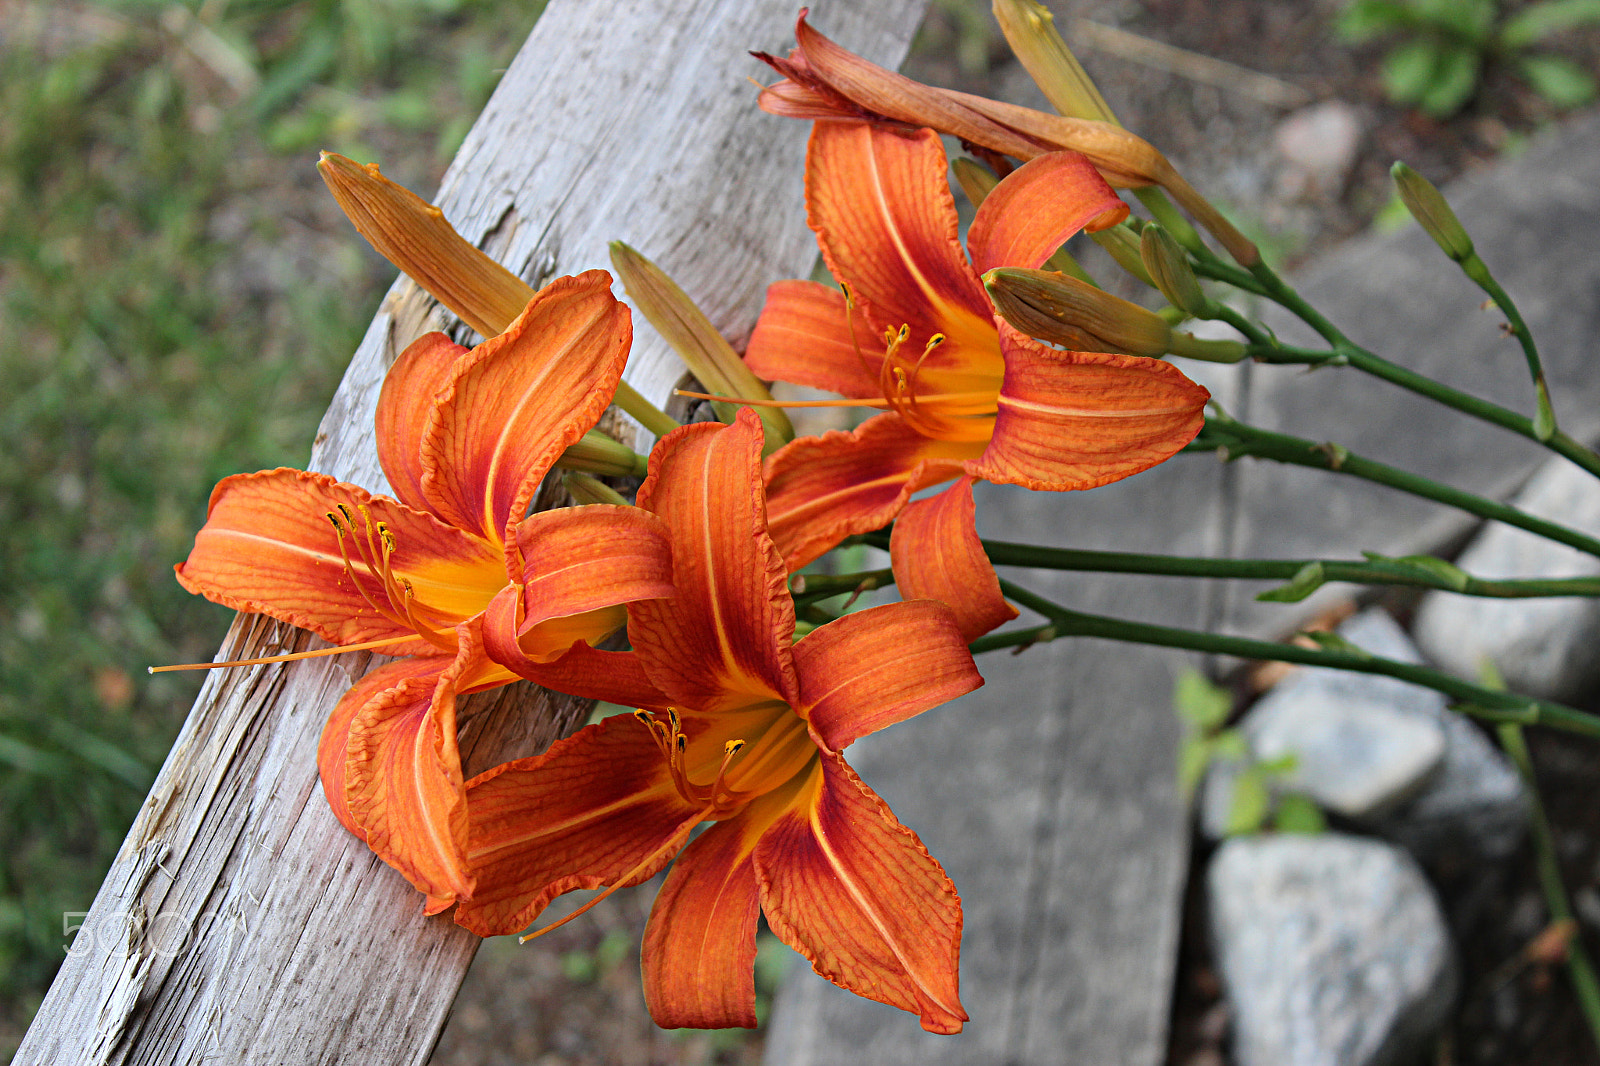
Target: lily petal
[586,813]
[611,676]
[409,389]
[519,399]
[850,888]
[723,640]
[1075,420]
[880,204]
[403,781]
[823,489]
[873,668]
[268,547]
[334,746]
[936,554]
[804,336]
[699,949]
[1037,207]
[579,559]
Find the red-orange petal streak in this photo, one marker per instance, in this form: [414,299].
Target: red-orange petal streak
[579,559]
[1036,208]
[1075,420]
[723,640]
[582,815]
[880,204]
[823,489]
[853,890]
[804,336]
[699,949]
[520,399]
[936,555]
[268,546]
[873,668]
[409,388]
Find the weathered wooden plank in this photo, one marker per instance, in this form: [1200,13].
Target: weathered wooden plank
[241,923]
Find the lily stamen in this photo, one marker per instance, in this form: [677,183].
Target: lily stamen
[288,657]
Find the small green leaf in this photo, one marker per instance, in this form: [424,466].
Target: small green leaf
[1558,80]
[1297,814]
[1282,766]
[1247,809]
[1455,79]
[1200,703]
[1335,643]
[1425,567]
[1366,19]
[1408,70]
[1194,755]
[1308,579]
[1538,21]
[1230,745]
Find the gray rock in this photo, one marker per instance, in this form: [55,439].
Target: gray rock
[1544,647]
[1332,948]
[1364,745]
[1317,147]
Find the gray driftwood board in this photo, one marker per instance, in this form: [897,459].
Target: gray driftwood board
[241,923]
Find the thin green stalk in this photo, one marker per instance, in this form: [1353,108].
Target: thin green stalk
[1544,425]
[1485,703]
[650,416]
[1580,966]
[812,588]
[1376,571]
[1238,439]
[1279,291]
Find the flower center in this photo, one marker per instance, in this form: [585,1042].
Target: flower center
[373,547]
[775,746]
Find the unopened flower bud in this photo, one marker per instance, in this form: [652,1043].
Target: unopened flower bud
[1429,207]
[1063,310]
[415,236]
[1170,270]
[708,355]
[596,453]
[1121,242]
[1030,31]
[975,179]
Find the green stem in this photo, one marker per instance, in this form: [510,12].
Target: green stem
[1275,288]
[1164,211]
[1372,572]
[1485,703]
[1478,271]
[1579,965]
[813,588]
[1239,439]
[649,415]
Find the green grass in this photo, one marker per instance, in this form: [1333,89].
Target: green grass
[178,299]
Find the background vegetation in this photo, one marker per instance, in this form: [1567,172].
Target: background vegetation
[178,298]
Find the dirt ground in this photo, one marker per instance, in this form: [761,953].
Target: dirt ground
[572,999]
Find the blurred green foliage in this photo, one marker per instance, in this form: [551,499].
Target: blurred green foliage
[179,297]
[1442,46]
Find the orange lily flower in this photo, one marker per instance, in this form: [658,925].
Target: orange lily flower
[464,437]
[824,81]
[747,735]
[967,396]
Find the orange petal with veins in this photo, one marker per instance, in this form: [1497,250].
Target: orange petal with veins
[410,387]
[582,815]
[804,336]
[519,399]
[850,888]
[723,639]
[268,546]
[1075,420]
[873,668]
[612,676]
[937,555]
[823,489]
[1037,207]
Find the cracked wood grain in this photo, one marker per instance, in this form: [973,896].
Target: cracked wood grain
[240,923]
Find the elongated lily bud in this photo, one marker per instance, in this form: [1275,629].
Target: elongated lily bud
[1429,207]
[414,235]
[596,453]
[588,489]
[1031,32]
[975,179]
[690,333]
[1121,242]
[1170,270]
[1040,303]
